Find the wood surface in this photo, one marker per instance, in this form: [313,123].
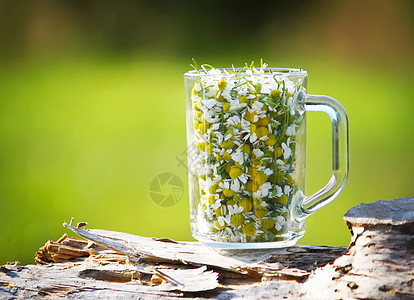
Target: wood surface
[378,264]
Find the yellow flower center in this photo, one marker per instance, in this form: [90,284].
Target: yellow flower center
[236,198]
[219,98]
[210,149]
[212,189]
[227,144]
[260,178]
[226,155]
[222,85]
[228,193]
[230,202]
[263,121]
[249,116]
[235,172]
[237,219]
[201,146]
[275,94]
[279,152]
[245,148]
[243,99]
[219,226]
[251,186]
[262,131]
[267,223]
[259,212]
[249,229]
[246,203]
[226,106]
[282,200]
[253,128]
[202,128]
[271,141]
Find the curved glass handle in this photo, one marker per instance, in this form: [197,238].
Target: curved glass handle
[307,205]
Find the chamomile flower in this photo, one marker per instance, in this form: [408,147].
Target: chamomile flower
[253,137]
[280,221]
[241,159]
[234,120]
[234,209]
[235,185]
[257,107]
[263,191]
[279,191]
[219,138]
[223,221]
[235,238]
[238,156]
[225,184]
[291,104]
[290,86]
[287,189]
[243,238]
[236,105]
[291,130]
[216,205]
[243,178]
[268,171]
[286,151]
[257,152]
[197,87]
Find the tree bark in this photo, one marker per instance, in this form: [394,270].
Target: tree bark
[378,264]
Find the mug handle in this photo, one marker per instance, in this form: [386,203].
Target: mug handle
[307,205]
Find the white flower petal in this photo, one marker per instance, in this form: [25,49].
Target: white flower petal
[253,137]
[280,162]
[287,189]
[268,171]
[279,192]
[209,103]
[291,130]
[257,152]
[221,221]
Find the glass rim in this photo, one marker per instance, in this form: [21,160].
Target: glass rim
[267,71]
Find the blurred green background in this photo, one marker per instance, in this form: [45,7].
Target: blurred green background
[92,105]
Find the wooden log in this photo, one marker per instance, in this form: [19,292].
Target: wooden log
[378,264]
[380,260]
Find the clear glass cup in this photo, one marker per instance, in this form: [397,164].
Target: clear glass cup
[246,133]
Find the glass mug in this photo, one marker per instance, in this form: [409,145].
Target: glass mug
[246,133]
